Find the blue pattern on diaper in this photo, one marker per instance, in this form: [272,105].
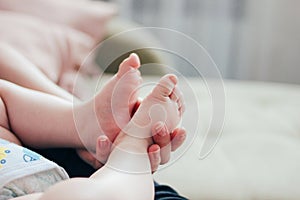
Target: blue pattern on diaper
[3,154]
[30,155]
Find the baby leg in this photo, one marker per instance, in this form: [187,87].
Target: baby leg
[4,125]
[19,70]
[36,118]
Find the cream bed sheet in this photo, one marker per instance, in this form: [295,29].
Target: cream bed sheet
[258,154]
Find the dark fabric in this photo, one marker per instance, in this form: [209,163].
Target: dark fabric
[164,192]
[69,160]
[75,167]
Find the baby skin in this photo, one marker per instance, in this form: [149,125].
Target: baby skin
[62,123]
[127,173]
[113,105]
[111,110]
[54,122]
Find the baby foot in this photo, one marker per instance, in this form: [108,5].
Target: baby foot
[115,102]
[163,104]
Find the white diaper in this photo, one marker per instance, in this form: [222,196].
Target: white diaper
[23,171]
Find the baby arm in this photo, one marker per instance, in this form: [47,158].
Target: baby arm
[38,119]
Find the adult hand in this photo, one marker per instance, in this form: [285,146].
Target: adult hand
[159,152]
[164,144]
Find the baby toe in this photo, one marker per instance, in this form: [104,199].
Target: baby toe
[181,109]
[165,86]
[180,100]
[132,62]
[175,94]
[177,97]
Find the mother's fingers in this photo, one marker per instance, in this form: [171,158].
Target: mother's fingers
[103,148]
[162,138]
[98,159]
[89,158]
[154,156]
[177,138]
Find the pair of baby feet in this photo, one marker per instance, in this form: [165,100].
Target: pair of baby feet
[115,103]
[163,104]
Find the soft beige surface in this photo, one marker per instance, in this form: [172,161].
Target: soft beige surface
[258,155]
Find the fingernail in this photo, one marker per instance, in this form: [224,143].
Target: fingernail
[103,143]
[156,155]
[159,127]
[162,132]
[173,78]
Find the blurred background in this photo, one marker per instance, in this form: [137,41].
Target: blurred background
[248,39]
